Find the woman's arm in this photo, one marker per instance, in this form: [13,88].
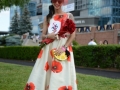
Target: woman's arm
[72,36]
[44,32]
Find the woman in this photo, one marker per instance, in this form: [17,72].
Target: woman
[105,42]
[49,73]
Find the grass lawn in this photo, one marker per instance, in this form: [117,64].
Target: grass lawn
[14,77]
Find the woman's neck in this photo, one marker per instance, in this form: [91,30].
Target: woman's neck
[59,11]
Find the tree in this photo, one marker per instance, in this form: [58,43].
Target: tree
[14,27]
[8,3]
[25,22]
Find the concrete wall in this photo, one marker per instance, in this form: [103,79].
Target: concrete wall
[86,21]
[84,13]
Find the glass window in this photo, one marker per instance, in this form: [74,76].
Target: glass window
[32,6]
[32,13]
[39,10]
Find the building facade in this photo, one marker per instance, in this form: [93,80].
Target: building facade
[38,10]
[35,9]
[96,19]
[108,11]
[110,33]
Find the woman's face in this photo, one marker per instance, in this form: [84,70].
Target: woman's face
[57,3]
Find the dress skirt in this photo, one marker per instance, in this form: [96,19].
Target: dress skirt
[51,74]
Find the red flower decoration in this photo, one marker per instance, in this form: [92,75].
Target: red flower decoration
[65,88]
[56,67]
[45,42]
[30,86]
[51,52]
[46,66]
[69,58]
[69,26]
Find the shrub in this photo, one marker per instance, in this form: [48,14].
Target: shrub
[117,62]
[75,43]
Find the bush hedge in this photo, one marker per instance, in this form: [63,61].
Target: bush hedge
[88,56]
[97,56]
[19,53]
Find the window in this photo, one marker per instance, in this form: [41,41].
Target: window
[39,10]
[32,8]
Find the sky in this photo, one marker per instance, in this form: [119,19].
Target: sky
[4,20]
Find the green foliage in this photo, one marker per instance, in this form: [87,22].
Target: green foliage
[117,62]
[25,22]
[10,40]
[75,43]
[19,53]
[2,40]
[101,56]
[14,27]
[21,25]
[96,42]
[96,56]
[8,3]
[15,77]
[14,40]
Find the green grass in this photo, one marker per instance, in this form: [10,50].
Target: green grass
[14,77]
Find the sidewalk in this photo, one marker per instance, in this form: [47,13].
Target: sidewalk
[88,71]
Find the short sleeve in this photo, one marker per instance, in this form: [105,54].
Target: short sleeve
[70,16]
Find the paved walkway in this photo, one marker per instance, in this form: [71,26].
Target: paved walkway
[104,73]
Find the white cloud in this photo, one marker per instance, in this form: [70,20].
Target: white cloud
[4,20]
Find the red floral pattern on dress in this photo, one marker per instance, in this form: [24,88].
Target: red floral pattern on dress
[56,67]
[69,58]
[40,54]
[51,52]
[61,17]
[30,86]
[70,49]
[65,88]
[46,66]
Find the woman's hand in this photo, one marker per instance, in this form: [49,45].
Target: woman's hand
[52,35]
[59,51]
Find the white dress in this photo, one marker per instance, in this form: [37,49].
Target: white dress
[49,73]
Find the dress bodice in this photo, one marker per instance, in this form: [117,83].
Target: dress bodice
[57,22]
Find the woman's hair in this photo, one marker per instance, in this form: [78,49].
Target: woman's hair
[51,13]
[105,42]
